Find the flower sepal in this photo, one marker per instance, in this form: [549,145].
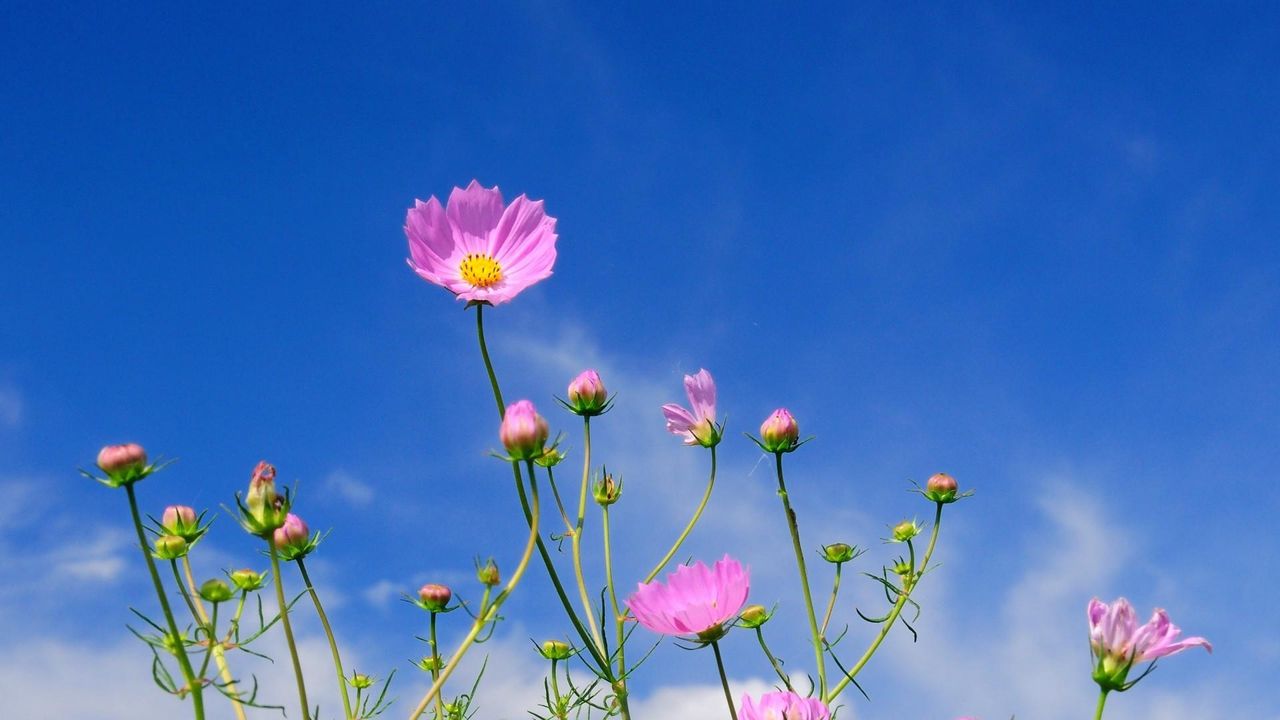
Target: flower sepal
[125,465]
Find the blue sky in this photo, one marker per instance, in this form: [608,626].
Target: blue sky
[1035,248]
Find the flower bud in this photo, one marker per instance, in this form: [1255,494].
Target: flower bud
[182,521]
[429,663]
[123,463]
[606,490]
[779,432]
[170,547]
[248,580]
[360,681]
[488,573]
[264,510]
[753,616]
[523,431]
[941,488]
[435,598]
[839,552]
[905,530]
[293,538]
[215,591]
[902,567]
[551,458]
[556,650]
[587,395]
[262,487]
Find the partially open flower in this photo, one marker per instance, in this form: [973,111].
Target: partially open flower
[606,491]
[215,591]
[587,394]
[523,431]
[696,600]
[264,510]
[697,425]
[780,433]
[783,705]
[434,598]
[1119,643]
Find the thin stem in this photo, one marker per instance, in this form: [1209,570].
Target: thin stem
[724,680]
[777,666]
[555,692]
[488,611]
[199,617]
[435,666]
[711,482]
[220,652]
[619,618]
[577,537]
[831,605]
[903,596]
[555,493]
[212,629]
[288,628]
[794,526]
[488,363]
[179,648]
[328,631]
[1102,701]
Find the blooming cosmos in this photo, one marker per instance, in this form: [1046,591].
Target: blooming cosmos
[782,705]
[478,248]
[696,599]
[696,425]
[1119,642]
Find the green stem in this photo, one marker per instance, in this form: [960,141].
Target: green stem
[288,628]
[831,605]
[619,619]
[199,617]
[488,363]
[724,681]
[777,666]
[435,667]
[333,643]
[555,693]
[887,625]
[1102,701]
[212,629]
[794,526]
[706,496]
[576,542]
[488,611]
[195,686]
[219,649]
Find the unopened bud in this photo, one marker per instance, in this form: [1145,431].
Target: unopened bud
[523,431]
[170,547]
[556,650]
[779,432]
[264,510]
[753,616]
[902,567]
[587,394]
[123,463]
[248,580]
[607,490]
[838,552]
[293,538]
[551,458]
[182,521]
[429,663]
[215,591]
[435,598]
[360,681]
[905,530]
[488,573]
[941,488]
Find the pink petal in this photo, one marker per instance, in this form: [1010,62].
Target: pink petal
[431,243]
[701,389]
[474,213]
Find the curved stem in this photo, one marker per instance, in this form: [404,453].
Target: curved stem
[887,625]
[1102,701]
[488,612]
[219,651]
[333,643]
[711,482]
[724,681]
[288,628]
[577,537]
[619,619]
[194,685]
[794,526]
[435,667]
[199,617]
[831,605]
[777,666]
[488,362]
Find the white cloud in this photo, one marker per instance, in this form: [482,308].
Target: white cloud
[348,487]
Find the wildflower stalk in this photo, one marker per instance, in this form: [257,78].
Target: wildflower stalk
[328,631]
[903,596]
[724,681]
[777,666]
[288,628]
[219,649]
[435,666]
[488,610]
[706,496]
[831,604]
[199,617]
[576,542]
[619,618]
[1102,701]
[195,686]
[583,633]
[213,641]
[794,526]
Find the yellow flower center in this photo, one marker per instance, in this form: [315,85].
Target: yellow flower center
[480,270]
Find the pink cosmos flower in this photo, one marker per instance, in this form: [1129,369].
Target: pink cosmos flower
[1119,642]
[696,599]
[696,426]
[478,248]
[783,705]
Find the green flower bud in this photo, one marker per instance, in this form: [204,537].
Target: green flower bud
[556,650]
[170,547]
[606,490]
[248,580]
[551,458]
[753,616]
[839,552]
[215,591]
[488,573]
[906,530]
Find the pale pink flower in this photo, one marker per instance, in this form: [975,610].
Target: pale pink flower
[1114,632]
[696,599]
[129,457]
[696,425]
[523,431]
[782,705]
[478,248]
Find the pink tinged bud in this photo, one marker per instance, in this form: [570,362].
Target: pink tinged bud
[587,394]
[523,431]
[122,461]
[779,432]
[262,487]
[941,488]
[292,535]
[435,598]
[182,521]
[488,573]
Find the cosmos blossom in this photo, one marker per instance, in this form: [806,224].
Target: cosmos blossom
[697,424]
[695,600]
[782,705]
[479,248]
[1114,634]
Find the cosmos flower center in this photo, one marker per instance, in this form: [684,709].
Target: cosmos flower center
[480,270]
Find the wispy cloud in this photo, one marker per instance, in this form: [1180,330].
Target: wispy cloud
[11,407]
[348,487]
